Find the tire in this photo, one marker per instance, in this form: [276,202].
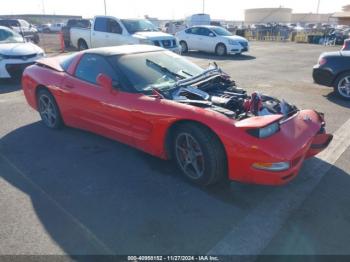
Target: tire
[48,109]
[82,45]
[184,47]
[220,50]
[342,85]
[36,39]
[199,154]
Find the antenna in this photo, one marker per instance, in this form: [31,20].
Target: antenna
[105,7]
[203,7]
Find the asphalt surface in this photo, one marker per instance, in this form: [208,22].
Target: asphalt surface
[73,192]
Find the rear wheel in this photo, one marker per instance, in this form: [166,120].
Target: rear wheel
[342,85]
[199,154]
[184,47]
[82,45]
[48,109]
[220,50]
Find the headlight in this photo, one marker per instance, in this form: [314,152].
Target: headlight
[279,166]
[145,41]
[42,54]
[265,131]
[232,42]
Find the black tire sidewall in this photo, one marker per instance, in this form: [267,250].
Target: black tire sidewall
[82,45]
[186,49]
[210,175]
[216,49]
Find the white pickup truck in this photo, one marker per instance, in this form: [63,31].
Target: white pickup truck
[111,31]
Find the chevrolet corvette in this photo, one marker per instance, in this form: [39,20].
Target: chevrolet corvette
[159,102]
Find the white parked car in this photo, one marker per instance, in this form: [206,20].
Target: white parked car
[15,53]
[112,31]
[56,27]
[213,39]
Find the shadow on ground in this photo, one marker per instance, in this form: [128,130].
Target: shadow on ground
[333,97]
[130,202]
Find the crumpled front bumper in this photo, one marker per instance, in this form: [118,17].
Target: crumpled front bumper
[300,138]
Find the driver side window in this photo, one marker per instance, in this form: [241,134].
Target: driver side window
[113,27]
[91,65]
[204,31]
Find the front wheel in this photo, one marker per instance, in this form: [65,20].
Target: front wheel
[82,45]
[220,50]
[184,47]
[342,85]
[48,109]
[199,154]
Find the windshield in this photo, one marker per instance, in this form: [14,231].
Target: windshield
[139,25]
[221,31]
[159,70]
[8,36]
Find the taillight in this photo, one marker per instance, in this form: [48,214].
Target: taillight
[322,61]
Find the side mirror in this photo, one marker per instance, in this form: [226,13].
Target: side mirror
[105,82]
[211,35]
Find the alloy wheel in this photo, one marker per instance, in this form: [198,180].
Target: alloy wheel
[344,87]
[47,110]
[189,155]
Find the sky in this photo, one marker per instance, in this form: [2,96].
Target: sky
[162,9]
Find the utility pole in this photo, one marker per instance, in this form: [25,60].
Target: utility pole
[203,6]
[105,7]
[318,6]
[43,6]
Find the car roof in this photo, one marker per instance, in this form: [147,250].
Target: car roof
[123,50]
[206,26]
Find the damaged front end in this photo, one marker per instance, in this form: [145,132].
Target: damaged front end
[214,90]
[261,116]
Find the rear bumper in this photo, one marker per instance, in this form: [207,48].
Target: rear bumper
[323,76]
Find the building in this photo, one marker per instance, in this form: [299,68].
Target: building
[343,17]
[311,18]
[42,19]
[268,15]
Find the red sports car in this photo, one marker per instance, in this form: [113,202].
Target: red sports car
[161,103]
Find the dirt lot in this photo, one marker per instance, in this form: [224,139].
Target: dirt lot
[72,192]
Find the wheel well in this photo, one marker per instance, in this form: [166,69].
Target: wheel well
[338,75]
[171,130]
[38,88]
[81,40]
[221,43]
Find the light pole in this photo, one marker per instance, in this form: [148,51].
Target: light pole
[105,7]
[203,6]
[318,6]
[43,5]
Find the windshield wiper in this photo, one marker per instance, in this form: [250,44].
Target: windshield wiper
[164,69]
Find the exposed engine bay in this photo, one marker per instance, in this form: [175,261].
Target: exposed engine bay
[214,90]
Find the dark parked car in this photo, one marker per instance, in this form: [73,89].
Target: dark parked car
[27,30]
[333,69]
[82,23]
